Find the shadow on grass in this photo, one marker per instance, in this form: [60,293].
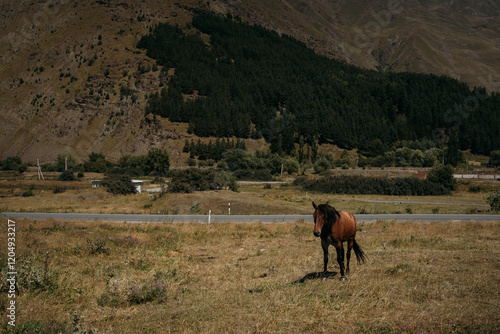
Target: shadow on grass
[318,275]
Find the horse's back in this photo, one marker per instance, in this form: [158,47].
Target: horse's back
[348,222]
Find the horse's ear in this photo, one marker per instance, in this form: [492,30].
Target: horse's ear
[315,206]
[327,203]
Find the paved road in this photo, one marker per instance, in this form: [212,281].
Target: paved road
[139,218]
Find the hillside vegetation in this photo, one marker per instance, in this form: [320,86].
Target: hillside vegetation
[249,81]
[72,80]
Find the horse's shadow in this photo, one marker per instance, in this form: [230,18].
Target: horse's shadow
[318,275]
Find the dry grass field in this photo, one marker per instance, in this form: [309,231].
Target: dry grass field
[74,277]
[78,196]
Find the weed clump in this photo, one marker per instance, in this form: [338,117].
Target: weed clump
[31,277]
[97,246]
[119,293]
[154,290]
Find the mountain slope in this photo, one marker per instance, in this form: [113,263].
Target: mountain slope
[457,38]
[72,81]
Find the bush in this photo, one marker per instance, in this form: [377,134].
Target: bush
[494,200]
[13,163]
[355,184]
[322,165]
[29,192]
[291,166]
[97,246]
[494,158]
[443,175]
[97,163]
[258,175]
[119,184]
[67,176]
[194,179]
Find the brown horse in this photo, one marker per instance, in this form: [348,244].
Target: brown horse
[334,227]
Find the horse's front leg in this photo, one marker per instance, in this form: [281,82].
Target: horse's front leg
[324,244]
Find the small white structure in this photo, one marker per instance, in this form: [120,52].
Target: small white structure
[138,185]
[96,183]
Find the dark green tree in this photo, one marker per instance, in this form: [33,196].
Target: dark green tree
[157,161]
[443,174]
[96,163]
[453,153]
[494,158]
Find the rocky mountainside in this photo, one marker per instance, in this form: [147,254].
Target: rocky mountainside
[73,81]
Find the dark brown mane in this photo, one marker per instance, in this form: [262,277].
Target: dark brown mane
[330,212]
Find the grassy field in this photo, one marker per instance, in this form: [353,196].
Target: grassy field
[252,278]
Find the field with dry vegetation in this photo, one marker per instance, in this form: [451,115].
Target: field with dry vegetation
[251,278]
[28,194]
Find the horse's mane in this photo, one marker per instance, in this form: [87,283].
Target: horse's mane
[331,213]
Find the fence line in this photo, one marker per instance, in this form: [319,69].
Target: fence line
[477,176]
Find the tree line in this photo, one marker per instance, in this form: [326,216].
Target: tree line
[252,82]
[211,150]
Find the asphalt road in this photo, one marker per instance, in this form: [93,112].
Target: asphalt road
[147,218]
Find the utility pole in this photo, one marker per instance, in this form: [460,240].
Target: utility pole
[40,174]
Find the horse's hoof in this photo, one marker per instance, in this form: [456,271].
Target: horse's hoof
[343,278]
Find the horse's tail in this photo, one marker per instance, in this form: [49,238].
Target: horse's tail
[360,255]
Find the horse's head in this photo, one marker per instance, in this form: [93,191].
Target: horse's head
[320,217]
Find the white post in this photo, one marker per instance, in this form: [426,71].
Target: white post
[209,214]
[229,208]
[40,174]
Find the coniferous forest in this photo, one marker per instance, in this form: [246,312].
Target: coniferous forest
[252,82]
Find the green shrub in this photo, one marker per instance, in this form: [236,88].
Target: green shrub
[29,192]
[356,184]
[322,165]
[119,184]
[67,176]
[194,179]
[494,200]
[494,158]
[443,174]
[13,163]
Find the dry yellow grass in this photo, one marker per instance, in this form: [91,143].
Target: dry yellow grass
[255,278]
[251,199]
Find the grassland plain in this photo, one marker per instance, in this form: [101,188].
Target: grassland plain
[50,195]
[252,278]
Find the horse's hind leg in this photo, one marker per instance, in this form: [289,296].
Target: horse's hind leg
[340,259]
[350,244]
